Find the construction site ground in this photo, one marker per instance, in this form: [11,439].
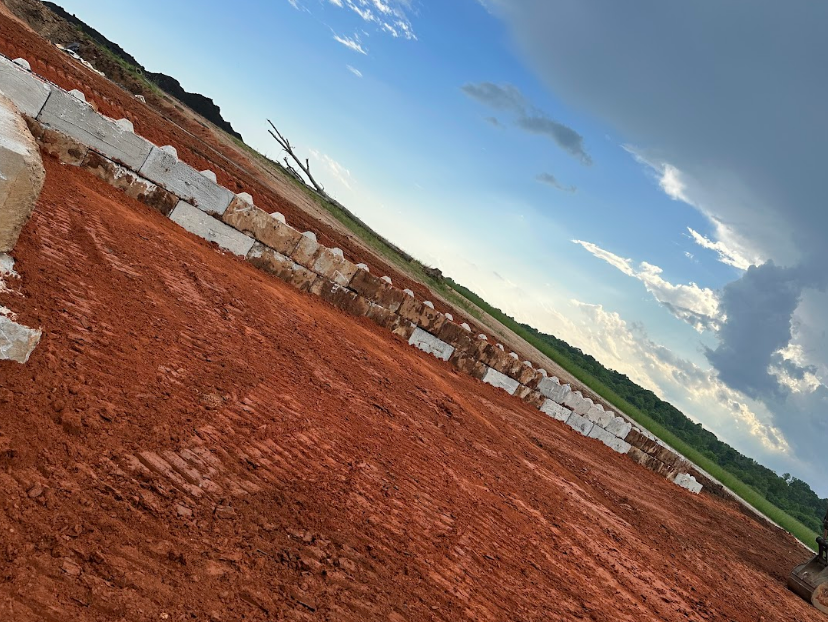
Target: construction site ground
[195,440]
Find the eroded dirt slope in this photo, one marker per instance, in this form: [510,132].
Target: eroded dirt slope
[193,440]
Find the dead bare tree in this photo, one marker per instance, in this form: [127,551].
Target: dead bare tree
[284,143]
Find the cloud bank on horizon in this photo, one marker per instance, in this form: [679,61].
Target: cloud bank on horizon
[724,103]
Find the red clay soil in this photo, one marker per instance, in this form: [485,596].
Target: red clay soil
[196,144]
[194,440]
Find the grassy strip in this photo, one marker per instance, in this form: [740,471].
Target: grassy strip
[749,494]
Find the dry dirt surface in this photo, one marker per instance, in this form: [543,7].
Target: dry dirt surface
[193,440]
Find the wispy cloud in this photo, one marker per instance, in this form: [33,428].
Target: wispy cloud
[354,71]
[550,180]
[352,43]
[729,256]
[390,16]
[509,98]
[698,306]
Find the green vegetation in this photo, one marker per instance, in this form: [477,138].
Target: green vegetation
[786,500]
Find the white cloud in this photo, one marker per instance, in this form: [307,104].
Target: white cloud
[729,256]
[697,392]
[351,43]
[333,169]
[354,71]
[698,306]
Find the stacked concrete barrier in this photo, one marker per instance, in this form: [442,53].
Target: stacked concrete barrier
[21,179]
[69,129]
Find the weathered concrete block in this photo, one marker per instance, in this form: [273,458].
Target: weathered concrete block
[636,438]
[523,374]
[687,481]
[341,297]
[77,119]
[268,260]
[16,341]
[25,90]
[404,329]
[23,63]
[599,416]
[131,184]
[211,229]
[421,314]
[580,424]
[376,290]
[575,401]
[334,266]
[496,379]
[457,336]
[556,411]
[534,398]
[522,391]
[427,342]
[468,364]
[619,427]
[306,251]
[611,441]
[383,317]
[170,173]
[554,390]
[21,174]
[60,146]
[257,223]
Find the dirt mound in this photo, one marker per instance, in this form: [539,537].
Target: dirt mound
[193,440]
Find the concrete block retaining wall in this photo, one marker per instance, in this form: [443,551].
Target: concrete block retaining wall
[70,129]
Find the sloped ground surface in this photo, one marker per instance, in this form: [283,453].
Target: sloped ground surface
[195,440]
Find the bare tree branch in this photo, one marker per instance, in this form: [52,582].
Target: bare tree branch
[284,143]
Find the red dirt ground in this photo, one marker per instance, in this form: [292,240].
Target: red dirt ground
[193,440]
[196,144]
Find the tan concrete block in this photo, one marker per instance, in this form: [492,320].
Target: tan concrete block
[378,291]
[456,336]
[306,252]
[342,298]
[404,329]
[63,147]
[261,226]
[383,317]
[333,267]
[21,174]
[468,364]
[128,182]
[268,260]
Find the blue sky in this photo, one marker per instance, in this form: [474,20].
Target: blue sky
[639,178]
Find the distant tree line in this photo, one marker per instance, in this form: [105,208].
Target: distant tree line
[786,492]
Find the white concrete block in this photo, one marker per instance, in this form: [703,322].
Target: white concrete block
[22,62]
[6,266]
[387,279]
[169,149]
[126,125]
[689,482]
[78,120]
[337,252]
[362,266]
[619,427]
[141,99]
[210,175]
[79,95]
[499,346]
[427,342]
[465,327]
[184,181]
[482,337]
[556,411]
[428,304]
[16,341]
[205,226]
[408,292]
[528,364]
[579,423]
[502,381]
[610,440]
[599,416]
[281,218]
[514,355]
[24,89]
[449,317]
[586,404]
[578,403]
[543,373]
